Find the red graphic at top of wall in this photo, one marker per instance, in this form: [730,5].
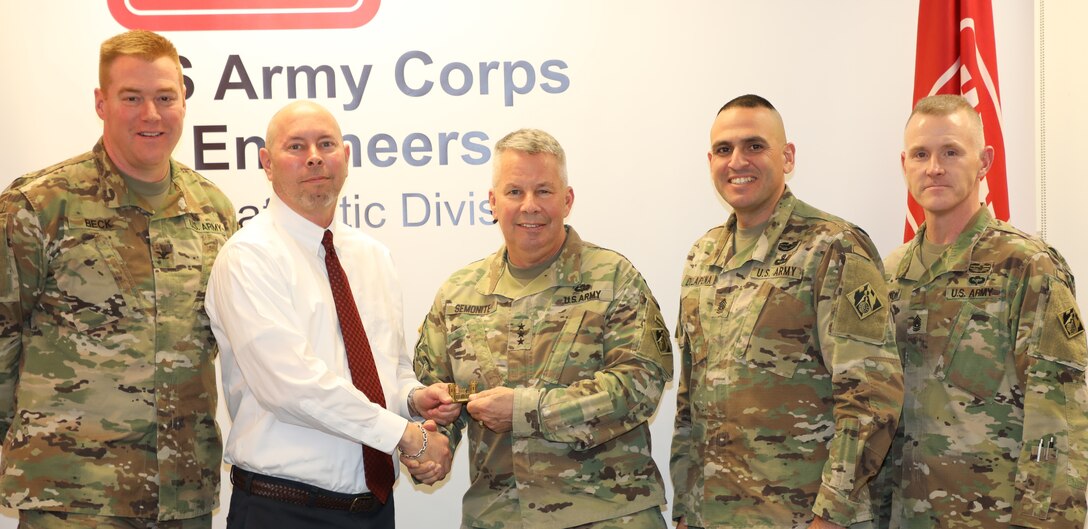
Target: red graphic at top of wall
[205,15]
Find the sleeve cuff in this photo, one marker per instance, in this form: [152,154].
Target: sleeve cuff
[526,419]
[834,506]
[388,430]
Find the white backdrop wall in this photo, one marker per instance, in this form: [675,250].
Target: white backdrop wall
[630,89]
[1062,118]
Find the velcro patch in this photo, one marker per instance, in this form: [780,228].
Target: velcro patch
[792,272]
[462,308]
[206,226]
[1071,323]
[865,301]
[78,222]
[984,292]
[700,281]
[9,288]
[863,294]
[661,335]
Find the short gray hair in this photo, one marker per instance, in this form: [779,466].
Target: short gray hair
[529,141]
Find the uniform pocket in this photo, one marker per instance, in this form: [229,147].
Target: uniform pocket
[470,356]
[780,334]
[689,328]
[91,286]
[1036,472]
[841,472]
[555,368]
[974,360]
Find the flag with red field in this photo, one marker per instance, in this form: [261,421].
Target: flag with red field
[956,55]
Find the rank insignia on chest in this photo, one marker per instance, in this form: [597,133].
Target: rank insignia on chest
[865,301]
[1071,323]
[519,336]
[916,324]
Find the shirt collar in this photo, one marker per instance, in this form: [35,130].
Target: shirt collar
[306,233]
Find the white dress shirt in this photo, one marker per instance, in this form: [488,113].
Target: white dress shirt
[296,413]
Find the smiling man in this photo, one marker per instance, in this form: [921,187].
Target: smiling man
[316,372]
[791,387]
[995,426]
[107,391]
[568,347]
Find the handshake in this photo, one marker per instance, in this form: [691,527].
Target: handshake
[423,449]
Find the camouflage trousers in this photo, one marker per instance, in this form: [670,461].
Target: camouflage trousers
[70,520]
[648,519]
[858,525]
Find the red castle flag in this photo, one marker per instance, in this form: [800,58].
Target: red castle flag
[956,55]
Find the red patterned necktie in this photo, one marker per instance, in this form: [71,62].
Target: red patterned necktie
[377,465]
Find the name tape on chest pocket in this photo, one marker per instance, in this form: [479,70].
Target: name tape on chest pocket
[98,224]
[462,308]
[700,281]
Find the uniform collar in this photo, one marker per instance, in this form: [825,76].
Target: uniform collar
[957,258]
[115,194]
[566,270]
[723,249]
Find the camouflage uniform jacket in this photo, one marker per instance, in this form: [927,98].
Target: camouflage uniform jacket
[107,390]
[587,358]
[995,423]
[790,387]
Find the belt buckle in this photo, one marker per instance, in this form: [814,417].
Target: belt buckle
[362,503]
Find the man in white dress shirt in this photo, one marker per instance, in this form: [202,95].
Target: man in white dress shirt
[299,422]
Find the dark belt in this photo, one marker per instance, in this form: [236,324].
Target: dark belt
[286,491]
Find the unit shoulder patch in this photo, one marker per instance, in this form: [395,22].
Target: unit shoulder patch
[1071,323]
[865,301]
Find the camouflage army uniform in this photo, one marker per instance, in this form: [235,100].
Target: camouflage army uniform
[994,354]
[107,390]
[790,388]
[587,358]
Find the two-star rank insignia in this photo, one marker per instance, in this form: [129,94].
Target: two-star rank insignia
[865,301]
[1071,323]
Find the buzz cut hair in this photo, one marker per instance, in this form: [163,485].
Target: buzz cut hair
[946,105]
[529,141]
[146,45]
[747,101]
